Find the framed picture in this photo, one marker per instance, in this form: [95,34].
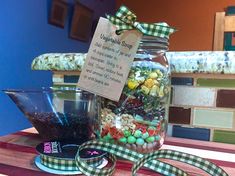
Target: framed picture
[81,22]
[58,13]
[94,25]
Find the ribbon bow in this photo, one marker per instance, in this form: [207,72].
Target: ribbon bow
[124,19]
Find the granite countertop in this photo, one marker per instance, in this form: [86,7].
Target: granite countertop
[59,61]
[222,62]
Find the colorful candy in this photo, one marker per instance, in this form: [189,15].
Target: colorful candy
[127,133]
[150,139]
[123,140]
[136,121]
[140,141]
[145,135]
[138,133]
[131,139]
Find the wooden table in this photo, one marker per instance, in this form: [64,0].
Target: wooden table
[17,153]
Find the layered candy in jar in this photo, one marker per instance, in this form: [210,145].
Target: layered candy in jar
[138,120]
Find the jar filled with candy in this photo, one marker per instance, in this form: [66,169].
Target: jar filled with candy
[139,120]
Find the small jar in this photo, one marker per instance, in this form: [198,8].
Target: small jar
[139,120]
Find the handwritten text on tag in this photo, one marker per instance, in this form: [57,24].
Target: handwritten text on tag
[109,60]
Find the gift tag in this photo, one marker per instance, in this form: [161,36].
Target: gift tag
[108,61]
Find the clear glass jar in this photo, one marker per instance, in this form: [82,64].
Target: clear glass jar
[139,119]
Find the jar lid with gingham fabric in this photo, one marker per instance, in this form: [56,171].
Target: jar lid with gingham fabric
[125,19]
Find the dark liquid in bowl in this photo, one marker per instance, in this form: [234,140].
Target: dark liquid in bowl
[67,127]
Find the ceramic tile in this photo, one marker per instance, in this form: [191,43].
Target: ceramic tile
[57,78]
[191,96]
[71,78]
[169,129]
[224,136]
[204,82]
[182,81]
[213,118]
[191,133]
[179,115]
[225,98]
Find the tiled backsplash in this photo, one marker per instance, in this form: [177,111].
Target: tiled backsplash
[203,96]
[203,91]
[203,110]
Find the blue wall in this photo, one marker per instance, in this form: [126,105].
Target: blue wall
[25,34]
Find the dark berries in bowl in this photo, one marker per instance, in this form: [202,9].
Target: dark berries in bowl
[70,115]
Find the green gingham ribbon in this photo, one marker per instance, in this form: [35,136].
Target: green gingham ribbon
[193,160]
[124,19]
[58,164]
[120,151]
[148,160]
[63,164]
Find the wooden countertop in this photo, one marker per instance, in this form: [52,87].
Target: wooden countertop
[17,153]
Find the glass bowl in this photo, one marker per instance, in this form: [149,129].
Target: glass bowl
[68,115]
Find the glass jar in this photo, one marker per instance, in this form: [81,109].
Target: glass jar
[139,120]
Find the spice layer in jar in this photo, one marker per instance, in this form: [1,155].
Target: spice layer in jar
[139,120]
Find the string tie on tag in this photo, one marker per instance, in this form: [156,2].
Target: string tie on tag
[125,19]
